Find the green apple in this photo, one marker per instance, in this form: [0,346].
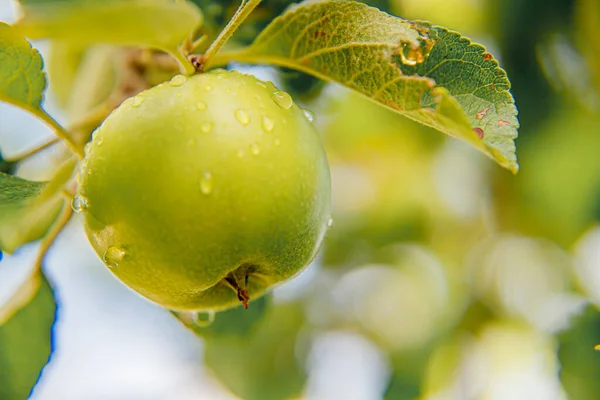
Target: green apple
[206,184]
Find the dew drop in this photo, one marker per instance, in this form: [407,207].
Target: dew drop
[79,203]
[100,140]
[206,127]
[201,106]
[208,88]
[242,116]
[254,149]
[87,148]
[240,153]
[283,99]
[113,256]
[178,80]
[137,101]
[276,141]
[309,114]
[178,94]
[203,319]
[206,183]
[268,124]
[330,222]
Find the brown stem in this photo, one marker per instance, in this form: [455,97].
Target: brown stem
[242,294]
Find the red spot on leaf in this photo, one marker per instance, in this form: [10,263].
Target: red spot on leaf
[487,56]
[478,132]
[493,86]
[320,34]
[502,122]
[482,113]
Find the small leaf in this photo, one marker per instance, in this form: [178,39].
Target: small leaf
[425,72]
[26,342]
[159,24]
[22,80]
[27,209]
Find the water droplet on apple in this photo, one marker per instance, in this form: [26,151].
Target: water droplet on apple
[178,80]
[79,203]
[309,115]
[206,183]
[283,99]
[268,124]
[254,149]
[206,127]
[242,116]
[203,319]
[137,101]
[113,256]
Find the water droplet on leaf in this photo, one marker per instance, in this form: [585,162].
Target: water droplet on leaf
[206,183]
[283,99]
[240,153]
[330,222]
[276,141]
[254,149]
[113,256]
[178,80]
[201,106]
[242,116]
[208,88]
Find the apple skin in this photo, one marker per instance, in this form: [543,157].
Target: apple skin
[203,178]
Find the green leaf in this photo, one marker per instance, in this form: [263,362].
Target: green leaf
[159,24]
[22,80]
[425,72]
[27,209]
[263,364]
[580,364]
[26,343]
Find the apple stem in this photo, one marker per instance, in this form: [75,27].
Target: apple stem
[246,7]
[242,294]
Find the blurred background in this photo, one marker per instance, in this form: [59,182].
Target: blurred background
[444,277]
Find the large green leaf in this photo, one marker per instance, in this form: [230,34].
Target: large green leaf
[26,343]
[263,364]
[27,209]
[159,24]
[425,72]
[22,80]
